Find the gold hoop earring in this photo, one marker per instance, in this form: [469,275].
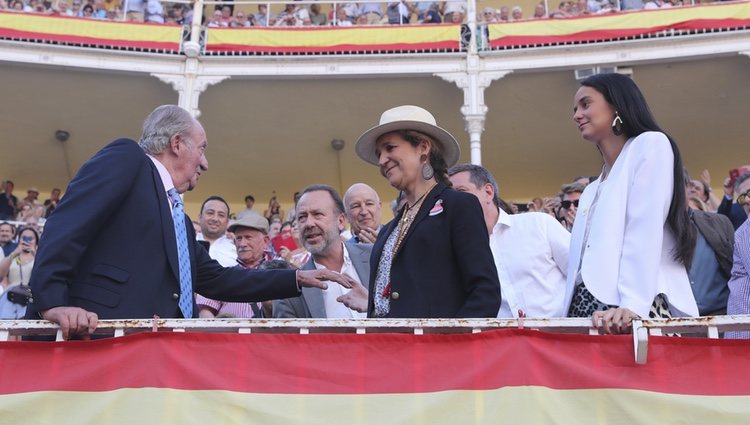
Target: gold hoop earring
[617,124]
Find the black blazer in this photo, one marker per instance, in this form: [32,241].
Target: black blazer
[445,267]
[110,247]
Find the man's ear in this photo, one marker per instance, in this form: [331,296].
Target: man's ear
[489,190]
[341,222]
[174,144]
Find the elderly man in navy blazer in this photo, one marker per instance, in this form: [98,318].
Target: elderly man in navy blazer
[320,217]
[120,246]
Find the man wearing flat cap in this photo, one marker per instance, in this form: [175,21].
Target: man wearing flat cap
[250,239]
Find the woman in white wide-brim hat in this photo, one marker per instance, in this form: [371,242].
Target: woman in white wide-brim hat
[433,259]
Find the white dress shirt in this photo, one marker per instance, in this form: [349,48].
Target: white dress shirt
[531,256]
[164,176]
[334,309]
[222,250]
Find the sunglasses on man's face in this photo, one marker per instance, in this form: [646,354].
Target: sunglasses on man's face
[743,197]
[566,204]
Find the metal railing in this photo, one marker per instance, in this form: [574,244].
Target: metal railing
[710,327]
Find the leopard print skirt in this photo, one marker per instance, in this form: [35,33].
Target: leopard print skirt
[584,304]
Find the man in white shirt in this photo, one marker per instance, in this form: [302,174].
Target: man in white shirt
[321,219]
[213,220]
[530,250]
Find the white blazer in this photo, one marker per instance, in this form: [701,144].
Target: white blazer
[628,257]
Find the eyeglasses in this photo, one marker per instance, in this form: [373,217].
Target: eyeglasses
[743,197]
[566,204]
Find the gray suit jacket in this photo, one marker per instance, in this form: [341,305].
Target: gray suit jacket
[311,303]
[719,233]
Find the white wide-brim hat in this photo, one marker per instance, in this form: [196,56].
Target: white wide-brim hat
[407,117]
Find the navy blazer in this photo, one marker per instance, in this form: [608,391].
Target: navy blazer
[444,267]
[110,247]
[733,211]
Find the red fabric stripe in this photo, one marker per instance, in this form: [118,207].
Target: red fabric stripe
[375,363]
[26,35]
[332,49]
[600,35]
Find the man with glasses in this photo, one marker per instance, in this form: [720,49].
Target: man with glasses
[739,283]
[569,194]
[732,186]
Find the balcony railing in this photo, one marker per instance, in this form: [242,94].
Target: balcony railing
[710,327]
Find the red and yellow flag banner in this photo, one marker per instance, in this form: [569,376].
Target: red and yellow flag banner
[334,39]
[495,377]
[619,25]
[89,32]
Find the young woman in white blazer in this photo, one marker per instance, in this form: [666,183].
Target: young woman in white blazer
[632,241]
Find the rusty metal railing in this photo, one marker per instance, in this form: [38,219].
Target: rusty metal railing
[710,327]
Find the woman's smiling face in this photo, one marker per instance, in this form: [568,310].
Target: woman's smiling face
[592,114]
[399,160]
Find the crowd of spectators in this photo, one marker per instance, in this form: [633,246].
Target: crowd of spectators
[563,205]
[715,218]
[28,211]
[339,14]
[273,238]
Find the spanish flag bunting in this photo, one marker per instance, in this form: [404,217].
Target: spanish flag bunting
[93,32]
[494,377]
[613,26]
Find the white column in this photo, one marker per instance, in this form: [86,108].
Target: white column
[190,85]
[473,83]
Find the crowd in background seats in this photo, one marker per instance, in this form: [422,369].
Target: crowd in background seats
[343,14]
[278,243]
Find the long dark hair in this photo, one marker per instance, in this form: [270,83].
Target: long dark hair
[625,96]
[436,154]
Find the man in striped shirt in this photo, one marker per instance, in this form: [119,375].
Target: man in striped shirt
[739,283]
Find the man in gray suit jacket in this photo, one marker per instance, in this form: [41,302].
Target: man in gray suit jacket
[321,219]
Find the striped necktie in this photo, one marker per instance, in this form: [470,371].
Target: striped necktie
[183,256]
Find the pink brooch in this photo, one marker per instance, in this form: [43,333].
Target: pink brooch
[437,208]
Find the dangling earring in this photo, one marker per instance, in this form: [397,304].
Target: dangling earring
[617,124]
[427,171]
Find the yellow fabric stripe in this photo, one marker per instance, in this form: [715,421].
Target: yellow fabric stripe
[360,36]
[644,19]
[512,406]
[91,28]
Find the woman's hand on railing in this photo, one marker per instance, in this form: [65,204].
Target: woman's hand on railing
[614,321]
